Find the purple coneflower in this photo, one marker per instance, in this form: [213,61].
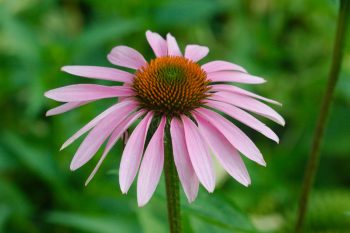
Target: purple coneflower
[175,96]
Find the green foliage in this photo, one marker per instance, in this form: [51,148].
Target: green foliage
[287,42]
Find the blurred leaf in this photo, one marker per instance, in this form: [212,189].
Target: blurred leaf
[153,216]
[6,161]
[14,199]
[328,211]
[4,214]
[220,212]
[100,33]
[38,161]
[93,223]
[183,12]
[200,225]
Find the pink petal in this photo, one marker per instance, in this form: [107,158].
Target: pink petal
[132,153]
[86,92]
[237,90]
[152,166]
[199,154]
[182,160]
[173,47]
[126,57]
[65,108]
[98,135]
[96,120]
[249,104]
[196,52]
[121,128]
[157,43]
[243,117]
[120,99]
[234,76]
[221,66]
[227,155]
[233,134]
[97,72]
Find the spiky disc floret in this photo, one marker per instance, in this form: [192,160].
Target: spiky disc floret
[171,85]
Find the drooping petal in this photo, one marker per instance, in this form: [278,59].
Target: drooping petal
[249,104]
[182,160]
[86,92]
[97,72]
[118,131]
[221,66]
[234,76]
[151,166]
[233,134]
[98,135]
[173,47]
[157,43]
[227,155]
[132,153]
[243,117]
[96,120]
[196,52]
[237,90]
[199,154]
[126,57]
[65,108]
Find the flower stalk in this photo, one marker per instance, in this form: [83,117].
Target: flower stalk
[172,186]
[311,167]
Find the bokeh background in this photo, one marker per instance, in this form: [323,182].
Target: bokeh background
[287,42]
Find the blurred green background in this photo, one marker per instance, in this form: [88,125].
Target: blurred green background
[287,42]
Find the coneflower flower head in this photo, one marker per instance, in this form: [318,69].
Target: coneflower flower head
[179,96]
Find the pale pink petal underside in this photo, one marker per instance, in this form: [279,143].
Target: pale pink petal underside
[237,90]
[132,154]
[234,76]
[86,92]
[157,43]
[118,131]
[173,47]
[98,135]
[199,154]
[243,117]
[98,72]
[233,134]
[221,66]
[250,104]
[126,57]
[96,120]
[65,108]
[182,160]
[196,52]
[227,155]
[151,166]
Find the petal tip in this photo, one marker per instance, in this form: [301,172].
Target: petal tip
[64,69]
[141,204]
[63,147]
[276,139]
[47,94]
[142,200]
[210,188]
[73,166]
[123,188]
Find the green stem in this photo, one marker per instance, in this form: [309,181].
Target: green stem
[311,168]
[172,187]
